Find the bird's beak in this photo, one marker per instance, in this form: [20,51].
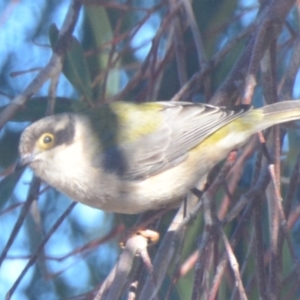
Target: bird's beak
[24,161]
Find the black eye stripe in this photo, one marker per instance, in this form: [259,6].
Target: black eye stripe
[50,134]
[66,135]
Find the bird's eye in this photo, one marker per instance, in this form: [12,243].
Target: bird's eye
[46,141]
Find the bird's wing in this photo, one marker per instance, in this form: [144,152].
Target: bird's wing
[182,126]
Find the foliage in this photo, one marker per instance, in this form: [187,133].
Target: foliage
[241,240]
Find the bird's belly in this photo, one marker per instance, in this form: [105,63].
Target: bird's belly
[166,189]
[132,197]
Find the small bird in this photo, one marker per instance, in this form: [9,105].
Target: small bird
[130,158]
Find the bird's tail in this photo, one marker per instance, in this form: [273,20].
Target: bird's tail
[279,112]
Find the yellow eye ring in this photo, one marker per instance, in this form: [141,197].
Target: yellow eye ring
[46,141]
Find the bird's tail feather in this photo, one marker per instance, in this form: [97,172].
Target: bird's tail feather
[280,112]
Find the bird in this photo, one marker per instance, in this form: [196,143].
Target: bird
[130,158]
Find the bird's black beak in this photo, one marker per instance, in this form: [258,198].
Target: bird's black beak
[24,161]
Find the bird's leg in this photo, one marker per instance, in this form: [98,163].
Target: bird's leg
[198,193]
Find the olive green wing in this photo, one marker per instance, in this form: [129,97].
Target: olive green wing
[168,132]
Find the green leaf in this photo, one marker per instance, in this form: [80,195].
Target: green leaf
[9,147]
[98,32]
[7,186]
[75,67]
